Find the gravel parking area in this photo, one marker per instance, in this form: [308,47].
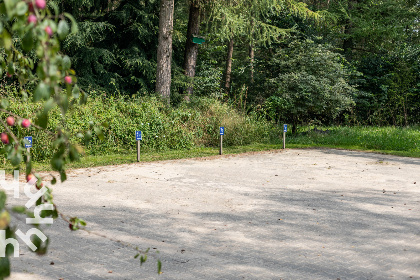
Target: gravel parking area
[293,214]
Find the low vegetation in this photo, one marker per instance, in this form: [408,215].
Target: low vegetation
[191,130]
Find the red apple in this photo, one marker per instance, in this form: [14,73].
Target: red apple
[40,4]
[10,120]
[29,177]
[4,138]
[9,75]
[26,123]
[68,80]
[48,30]
[32,19]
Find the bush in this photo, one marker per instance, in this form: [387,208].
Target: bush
[164,128]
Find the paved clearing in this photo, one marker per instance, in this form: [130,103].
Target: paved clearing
[296,214]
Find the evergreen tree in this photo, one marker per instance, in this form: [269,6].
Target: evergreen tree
[115,49]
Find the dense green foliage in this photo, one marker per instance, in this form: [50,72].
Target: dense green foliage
[116,47]
[194,125]
[164,128]
[310,83]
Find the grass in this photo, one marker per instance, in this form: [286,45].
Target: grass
[126,158]
[385,140]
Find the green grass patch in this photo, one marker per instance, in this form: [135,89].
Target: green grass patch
[385,140]
[401,141]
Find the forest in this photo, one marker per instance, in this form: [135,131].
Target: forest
[323,62]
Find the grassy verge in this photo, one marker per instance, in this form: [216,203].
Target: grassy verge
[390,140]
[125,158]
[387,140]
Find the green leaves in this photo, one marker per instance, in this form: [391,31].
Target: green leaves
[74,26]
[21,8]
[63,29]
[4,267]
[66,63]
[28,41]
[3,197]
[42,91]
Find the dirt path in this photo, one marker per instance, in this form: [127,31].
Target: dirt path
[297,214]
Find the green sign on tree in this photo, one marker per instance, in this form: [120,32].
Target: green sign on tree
[198,40]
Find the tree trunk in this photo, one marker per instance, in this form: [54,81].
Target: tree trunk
[251,60]
[348,43]
[229,66]
[164,53]
[191,49]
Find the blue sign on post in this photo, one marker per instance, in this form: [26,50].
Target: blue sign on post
[222,130]
[138,135]
[285,128]
[28,143]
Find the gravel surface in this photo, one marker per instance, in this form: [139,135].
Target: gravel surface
[293,214]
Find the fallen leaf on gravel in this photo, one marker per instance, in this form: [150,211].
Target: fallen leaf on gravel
[110,271]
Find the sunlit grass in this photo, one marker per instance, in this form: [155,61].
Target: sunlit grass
[385,140]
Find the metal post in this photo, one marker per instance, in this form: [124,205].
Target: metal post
[284,140]
[28,150]
[284,135]
[221,144]
[138,150]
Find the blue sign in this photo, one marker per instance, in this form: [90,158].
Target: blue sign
[285,128]
[222,130]
[138,135]
[28,143]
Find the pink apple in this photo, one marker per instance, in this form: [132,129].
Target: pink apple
[31,179]
[26,123]
[4,138]
[68,80]
[10,120]
[9,75]
[32,19]
[48,30]
[40,4]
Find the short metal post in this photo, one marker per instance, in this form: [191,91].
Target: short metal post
[284,140]
[221,145]
[284,135]
[138,150]
[28,150]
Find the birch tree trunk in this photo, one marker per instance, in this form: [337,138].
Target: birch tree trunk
[164,52]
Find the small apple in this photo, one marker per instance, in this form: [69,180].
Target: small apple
[39,186]
[4,138]
[68,80]
[32,19]
[48,30]
[9,75]
[30,177]
[26,123]
[10,121]
[40,4]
